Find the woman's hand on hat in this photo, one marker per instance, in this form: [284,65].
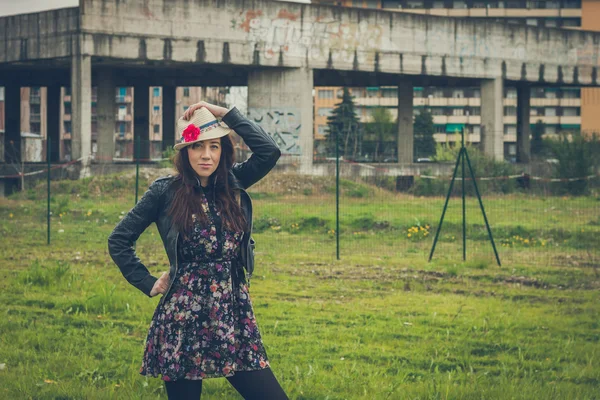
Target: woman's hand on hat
[161,285]
[215,110]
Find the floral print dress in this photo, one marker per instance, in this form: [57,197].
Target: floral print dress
[205,327]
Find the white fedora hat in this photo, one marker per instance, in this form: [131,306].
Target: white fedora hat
[203,125]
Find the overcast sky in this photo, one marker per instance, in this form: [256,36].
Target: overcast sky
[11,7]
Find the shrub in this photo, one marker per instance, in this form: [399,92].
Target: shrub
[576,159]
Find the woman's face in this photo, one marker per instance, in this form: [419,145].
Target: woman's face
[204,158]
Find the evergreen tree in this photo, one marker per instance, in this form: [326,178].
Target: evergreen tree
[345,123]
[423,128]
[537,144]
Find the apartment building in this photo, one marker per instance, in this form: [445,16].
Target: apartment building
[34,109]
[457,108]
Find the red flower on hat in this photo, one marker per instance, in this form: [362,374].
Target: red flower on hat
[191,133]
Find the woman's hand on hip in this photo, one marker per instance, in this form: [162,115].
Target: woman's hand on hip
[161,285]
[215,110]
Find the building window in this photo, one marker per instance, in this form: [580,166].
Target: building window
[415,4]
[510,111]
[156,92]
[156,110]
[326,94]
[67,126]
[550,4]
[531,22]
[572,22]
[322,129]
[551,23]
[459,4]
[340,93]
[475,111]
[438,4]
[156,128]
[185,108]
[391,93]
[34,127]
[458,112]
[437,111]
[458,93]
[186,92]
[440,128]
[510,129]
[550,130]
[570,111]
[476,129]
[570,94]
[123,91]
[550,112]
[372,3]
[324,111]
[550,93]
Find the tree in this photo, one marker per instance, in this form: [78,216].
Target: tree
[423,128]
[382,126]
[537,144]
[345,123]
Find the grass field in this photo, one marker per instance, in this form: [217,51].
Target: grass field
[381,323]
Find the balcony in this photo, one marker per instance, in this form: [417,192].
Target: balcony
[124,136]
[123,99]
[496,12]
[34,99]
[126,117]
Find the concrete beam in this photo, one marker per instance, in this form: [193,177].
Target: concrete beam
[81,111]
[405,122]
[12,124]
[523,124]
[281,102]
[141,122]
[168,116]
[53,101]
[492,114]
[106,116]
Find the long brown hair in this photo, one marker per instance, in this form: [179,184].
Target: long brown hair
[187,199]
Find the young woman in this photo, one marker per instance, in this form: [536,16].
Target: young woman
[204,325]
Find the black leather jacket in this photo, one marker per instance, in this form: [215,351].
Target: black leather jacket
[154,204]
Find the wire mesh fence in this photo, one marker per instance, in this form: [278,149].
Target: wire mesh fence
[372,214]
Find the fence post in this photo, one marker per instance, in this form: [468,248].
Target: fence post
[337,195]
[48,184]
[137,166]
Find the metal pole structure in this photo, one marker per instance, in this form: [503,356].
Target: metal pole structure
[137,166]
[337,194]
[437,233]
[48,184]
[487,225]
[464,209]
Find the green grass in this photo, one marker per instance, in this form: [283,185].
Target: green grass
[381,323]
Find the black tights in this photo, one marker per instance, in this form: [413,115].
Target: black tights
[260,384]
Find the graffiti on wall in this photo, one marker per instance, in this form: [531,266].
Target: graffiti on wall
[282,124]
[288,33]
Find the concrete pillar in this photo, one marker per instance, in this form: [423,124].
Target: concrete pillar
[106,116]
[523,124]
[53,101]
[81,111]
[281,102]
[405,122]
[492,115]
[141,121]
[12,124]
[168,117]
